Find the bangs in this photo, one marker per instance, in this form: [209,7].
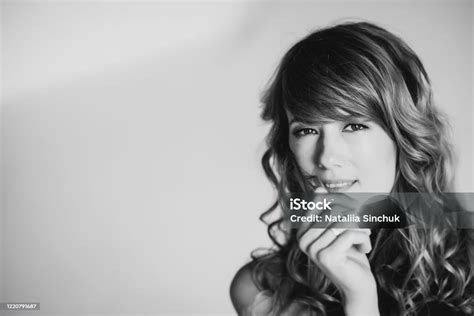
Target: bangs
[329,86]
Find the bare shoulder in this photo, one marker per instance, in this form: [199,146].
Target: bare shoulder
[243,290]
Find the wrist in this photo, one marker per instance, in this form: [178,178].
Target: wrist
[362,306]
[361,310]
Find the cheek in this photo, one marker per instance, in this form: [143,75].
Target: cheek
[376,162]
[303,153]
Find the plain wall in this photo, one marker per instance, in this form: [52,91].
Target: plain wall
[131,141]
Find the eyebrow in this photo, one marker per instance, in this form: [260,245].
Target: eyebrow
[295,120]
[349,118]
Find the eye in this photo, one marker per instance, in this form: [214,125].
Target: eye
[299,132]
[354,127]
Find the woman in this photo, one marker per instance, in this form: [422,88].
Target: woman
[351,111]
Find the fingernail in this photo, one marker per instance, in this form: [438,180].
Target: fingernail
[320,190]
[337,231]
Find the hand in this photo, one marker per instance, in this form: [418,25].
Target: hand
[339,204]
[341,255]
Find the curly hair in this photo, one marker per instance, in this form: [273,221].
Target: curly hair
[364,70]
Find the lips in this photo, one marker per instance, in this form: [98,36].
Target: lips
[332,185]
[338,185]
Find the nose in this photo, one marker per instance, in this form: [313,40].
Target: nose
[331,150]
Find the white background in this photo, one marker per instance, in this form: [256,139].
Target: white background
[131,141]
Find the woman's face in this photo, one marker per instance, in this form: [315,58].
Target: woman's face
[350,156]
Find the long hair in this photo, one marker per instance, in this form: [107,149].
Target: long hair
[364,70]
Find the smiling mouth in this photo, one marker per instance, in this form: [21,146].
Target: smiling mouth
[332,185]
[338,186]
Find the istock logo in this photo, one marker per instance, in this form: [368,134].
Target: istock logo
[300,204]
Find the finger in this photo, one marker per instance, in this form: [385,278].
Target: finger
[359,257]
[312,234]
[360,248]
[338,231]
[350,238]
[321,243]
[307,226]
[363,230]
[303,229]
[321,189]
[309,237]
